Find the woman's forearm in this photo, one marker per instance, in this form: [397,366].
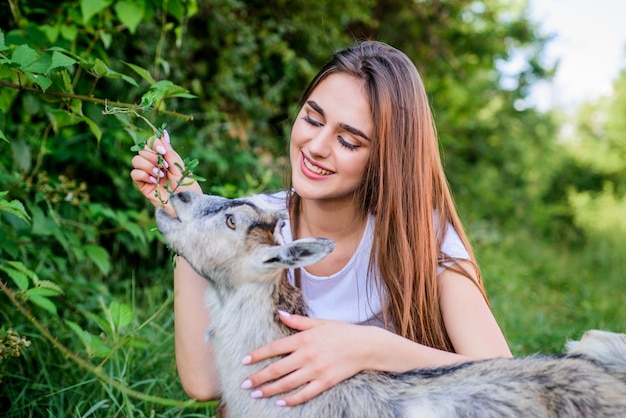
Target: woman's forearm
[390,352]
[386,351]
[194,355]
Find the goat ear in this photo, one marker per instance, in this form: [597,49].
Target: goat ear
[297,253]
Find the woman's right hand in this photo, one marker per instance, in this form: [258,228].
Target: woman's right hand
[149,178]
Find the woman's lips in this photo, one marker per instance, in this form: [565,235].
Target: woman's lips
[314,168]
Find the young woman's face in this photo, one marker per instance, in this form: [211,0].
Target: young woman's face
[330,139]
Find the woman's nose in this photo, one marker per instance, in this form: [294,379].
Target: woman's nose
[320,145]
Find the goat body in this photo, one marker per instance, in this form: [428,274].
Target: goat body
[236,245]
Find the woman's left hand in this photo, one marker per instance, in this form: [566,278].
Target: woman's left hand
[323,354]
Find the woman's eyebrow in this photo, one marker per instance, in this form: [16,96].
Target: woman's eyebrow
[316,107]
[351,129]
[354,131]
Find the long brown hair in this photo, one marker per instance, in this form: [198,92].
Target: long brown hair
[404,187]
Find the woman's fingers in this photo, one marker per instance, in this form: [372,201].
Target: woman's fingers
[299,322]
[310,382]
[308,392]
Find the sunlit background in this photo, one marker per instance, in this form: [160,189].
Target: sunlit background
[589,43]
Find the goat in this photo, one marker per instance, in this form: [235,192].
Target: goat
[237,246]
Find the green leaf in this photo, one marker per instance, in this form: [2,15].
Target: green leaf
[2,136]
[52,32]
[67,52]
[172,90]
[143,73]
[162,90]
[93,344]
[16,271]
[103,323]
[130,13]
[60,60]
[37,63]
[42,81]
[100,257]
[89,8]
[47,284]
[93,127]
[40,291]
[14,207]
[121,314]
[3,46]
[102,70]
[67,82]
[62,118]
[44,303]
[24,56]
[69,32]
[106,38]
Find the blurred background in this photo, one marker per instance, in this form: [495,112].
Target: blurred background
[529,99]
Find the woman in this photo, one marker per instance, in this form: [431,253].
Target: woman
[402,289]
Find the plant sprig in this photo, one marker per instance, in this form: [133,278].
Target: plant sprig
[187,176]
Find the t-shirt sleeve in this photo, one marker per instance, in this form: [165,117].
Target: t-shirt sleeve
[452,246]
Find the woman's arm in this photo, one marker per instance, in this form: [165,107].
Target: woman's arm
[194,356]
[325,352]
[469,321]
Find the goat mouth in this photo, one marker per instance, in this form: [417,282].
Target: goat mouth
[163,218]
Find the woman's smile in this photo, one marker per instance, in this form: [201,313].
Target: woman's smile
[314,168]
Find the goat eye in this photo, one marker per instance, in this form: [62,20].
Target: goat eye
[230,222]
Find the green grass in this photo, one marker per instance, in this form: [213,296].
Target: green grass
[542,294]
[46,383]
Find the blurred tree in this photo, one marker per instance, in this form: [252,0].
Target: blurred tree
[589,189]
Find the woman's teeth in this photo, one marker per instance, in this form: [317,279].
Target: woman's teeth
[316,169]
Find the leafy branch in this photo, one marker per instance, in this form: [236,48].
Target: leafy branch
[187,176]
[91,99]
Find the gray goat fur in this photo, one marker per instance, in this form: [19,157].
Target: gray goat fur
[237,246]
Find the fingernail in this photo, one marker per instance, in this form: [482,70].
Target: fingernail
[165,164]
[160,149]
[256,394]
[247,384]
[166,135]
[246,360]
[153,180]
[281,402]
[157,172]
[284,313]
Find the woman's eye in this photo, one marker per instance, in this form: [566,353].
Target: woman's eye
[347,144]
[230,222]
[312,121]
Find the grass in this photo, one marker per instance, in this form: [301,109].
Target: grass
[541,294]
[45,382]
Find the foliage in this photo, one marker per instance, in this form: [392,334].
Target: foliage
[589,188]
[84,273]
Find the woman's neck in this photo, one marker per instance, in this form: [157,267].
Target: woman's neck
[340,222]
[329,219]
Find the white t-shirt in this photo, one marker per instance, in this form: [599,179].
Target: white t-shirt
[349,295]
